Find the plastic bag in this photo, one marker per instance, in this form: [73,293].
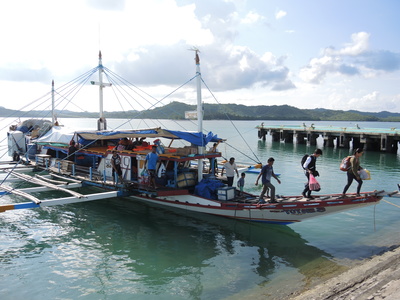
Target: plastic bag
[314,184]
[364,174]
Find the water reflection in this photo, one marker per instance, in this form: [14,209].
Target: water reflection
[161,248]
[119,247]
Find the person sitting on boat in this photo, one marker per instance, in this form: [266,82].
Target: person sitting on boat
[116,165]
[266,173]
[310,168]
[71,150]
[151,160]
[231,168]
[352,172]
[136,142]
[143,143]
[123,144]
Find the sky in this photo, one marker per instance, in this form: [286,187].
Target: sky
[334,54]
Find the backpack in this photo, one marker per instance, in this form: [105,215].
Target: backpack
[345,164]
[303,160]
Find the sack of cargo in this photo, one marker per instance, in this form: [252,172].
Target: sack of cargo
[345,164]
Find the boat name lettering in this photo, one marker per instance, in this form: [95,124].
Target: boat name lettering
[302,211]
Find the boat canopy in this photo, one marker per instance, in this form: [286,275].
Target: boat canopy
[56,136]
[195,138]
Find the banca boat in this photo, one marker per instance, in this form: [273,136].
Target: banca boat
[182,182]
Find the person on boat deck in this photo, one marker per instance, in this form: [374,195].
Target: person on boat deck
[136,142]
[352,172]
[151,160]
[231,168]
[266,173]
[116,165]
[71,150]
[213,149]
[240,182]
[142,142]
[123,144]
[310,168]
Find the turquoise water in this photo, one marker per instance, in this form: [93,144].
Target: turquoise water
[119,249]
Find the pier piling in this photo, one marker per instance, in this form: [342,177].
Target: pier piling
[376,139]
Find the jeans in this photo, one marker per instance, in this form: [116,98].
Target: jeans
[267,185]
[350,178]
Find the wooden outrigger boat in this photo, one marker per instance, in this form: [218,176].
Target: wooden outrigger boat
[181,184]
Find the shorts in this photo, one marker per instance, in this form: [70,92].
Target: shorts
[152,173]
[118,170]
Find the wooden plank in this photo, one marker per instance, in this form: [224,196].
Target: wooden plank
[38,189]
[44,183]
[20,193]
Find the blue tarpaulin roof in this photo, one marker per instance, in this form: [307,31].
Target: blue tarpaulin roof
[195,138]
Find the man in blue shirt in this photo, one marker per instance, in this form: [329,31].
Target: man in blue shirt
[151,160]
[266,173]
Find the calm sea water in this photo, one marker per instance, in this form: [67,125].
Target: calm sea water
[120,249]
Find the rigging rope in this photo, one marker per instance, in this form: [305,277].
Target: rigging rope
[391,203]
[234,127]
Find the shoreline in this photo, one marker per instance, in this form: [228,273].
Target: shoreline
[377,277]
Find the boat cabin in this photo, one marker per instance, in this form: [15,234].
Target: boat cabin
[94,151]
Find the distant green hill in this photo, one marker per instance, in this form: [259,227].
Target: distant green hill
[176,111]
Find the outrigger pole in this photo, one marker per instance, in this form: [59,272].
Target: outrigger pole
[46,186]
[59,201]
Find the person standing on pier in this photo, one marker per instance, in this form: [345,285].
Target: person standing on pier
[352,172]
[266,173]
[310,168]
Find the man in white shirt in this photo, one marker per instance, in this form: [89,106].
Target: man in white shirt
[230,167]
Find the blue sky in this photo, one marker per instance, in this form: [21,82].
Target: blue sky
[308,54]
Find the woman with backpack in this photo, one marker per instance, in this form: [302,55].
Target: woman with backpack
[310,167]
[352,172]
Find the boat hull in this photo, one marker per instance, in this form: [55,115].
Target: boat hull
[280,213]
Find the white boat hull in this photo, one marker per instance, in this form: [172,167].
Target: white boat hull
[281,213]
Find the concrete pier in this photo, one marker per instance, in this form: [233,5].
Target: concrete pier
[374,139]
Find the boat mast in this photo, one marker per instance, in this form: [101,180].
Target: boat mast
[101,122]
[53,119]
[199,115]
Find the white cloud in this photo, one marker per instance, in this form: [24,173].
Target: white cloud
[353,59]
[251,18]
[280,14]
[358,46]
[317,69]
